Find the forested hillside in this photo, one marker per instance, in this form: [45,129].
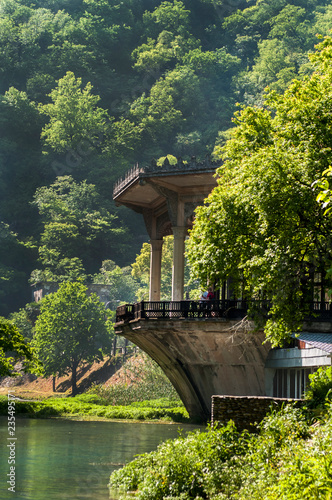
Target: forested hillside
[88,87]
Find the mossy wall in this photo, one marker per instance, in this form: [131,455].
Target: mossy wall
[246,411]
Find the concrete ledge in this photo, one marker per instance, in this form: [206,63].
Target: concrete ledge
[246,411]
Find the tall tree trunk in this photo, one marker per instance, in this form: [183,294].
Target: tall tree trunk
[114,345]
[54,388]
[125,349]
[74,379]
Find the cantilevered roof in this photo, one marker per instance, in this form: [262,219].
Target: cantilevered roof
[144,187]
[321,341]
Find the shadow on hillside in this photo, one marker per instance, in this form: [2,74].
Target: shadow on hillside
[97,373]
[97,376]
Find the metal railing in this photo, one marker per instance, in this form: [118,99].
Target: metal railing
[320,311]
[130,175]
[153,169]
[188,309]
[195,309]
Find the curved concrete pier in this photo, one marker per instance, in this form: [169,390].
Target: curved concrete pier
[203,358]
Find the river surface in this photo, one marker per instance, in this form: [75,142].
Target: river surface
[59,459]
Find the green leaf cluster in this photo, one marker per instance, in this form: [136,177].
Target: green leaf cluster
[76,230]
[87,88]
[262,223]
[183,468]
[72,328]
[14,349]
[320,388]
[122,286]
[287,459]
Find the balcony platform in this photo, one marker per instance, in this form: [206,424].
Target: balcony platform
[206,348]
[210,309]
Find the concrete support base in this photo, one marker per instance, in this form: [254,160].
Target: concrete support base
[203,359]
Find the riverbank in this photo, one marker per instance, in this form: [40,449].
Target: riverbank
[86,406]
[289,458]
[116,381]
[63,458]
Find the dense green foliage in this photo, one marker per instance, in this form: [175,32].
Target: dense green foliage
[262,225]
[84,406]
[121,284]
[287,459]
[25,319]
[72,328]
[88,87]
[320,388]
[13,348]
[77,232]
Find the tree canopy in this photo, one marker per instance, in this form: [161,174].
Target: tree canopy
[77,232]
[89,87]
[72,328]
[13,349]
[262,224]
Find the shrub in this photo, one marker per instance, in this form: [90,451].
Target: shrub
[320,387]
[185,467]
[278,463]
[273,453]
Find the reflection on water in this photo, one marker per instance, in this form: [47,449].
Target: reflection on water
[70,460]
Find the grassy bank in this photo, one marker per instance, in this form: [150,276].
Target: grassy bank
[86,405]
[290,458]
[141,391]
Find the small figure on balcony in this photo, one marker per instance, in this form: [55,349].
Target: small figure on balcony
[203,303]
[210,306]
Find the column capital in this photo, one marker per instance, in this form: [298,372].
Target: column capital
[179,232]
[156,244]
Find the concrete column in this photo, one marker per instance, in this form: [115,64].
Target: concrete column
[155,269]
[178,263]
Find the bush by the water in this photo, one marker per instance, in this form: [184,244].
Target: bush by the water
[288,459]
[123,394]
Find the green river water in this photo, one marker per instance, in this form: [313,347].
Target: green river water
[59,459]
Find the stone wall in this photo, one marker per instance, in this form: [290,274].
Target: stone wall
[39,290]
[246,411]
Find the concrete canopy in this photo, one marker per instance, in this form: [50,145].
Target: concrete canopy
[156,188]
[167,196]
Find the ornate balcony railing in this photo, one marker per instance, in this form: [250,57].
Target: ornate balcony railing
[138,171]
[188,309]
[213,309]
[131,175]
